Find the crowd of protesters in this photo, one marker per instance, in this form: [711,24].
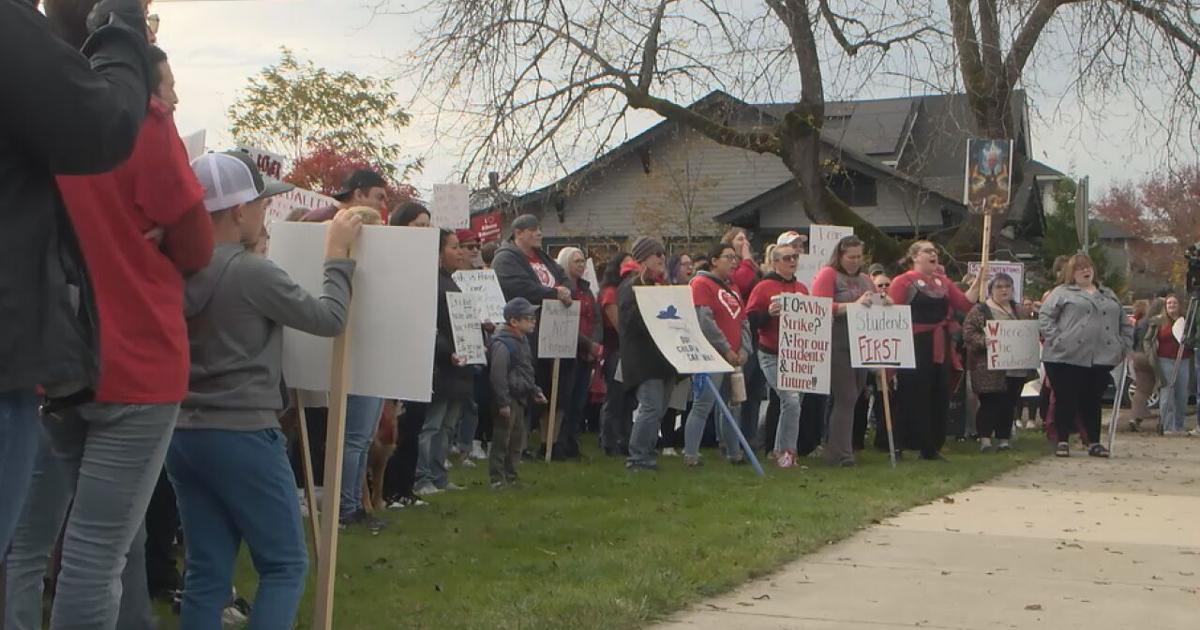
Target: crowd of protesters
[144,326]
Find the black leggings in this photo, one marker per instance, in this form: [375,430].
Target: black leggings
[401,471]
[1077,391]
[997,410]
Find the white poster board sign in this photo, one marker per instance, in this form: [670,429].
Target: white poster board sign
[489,298]
[589,274]
[384,359]
[1013,345]
[451,208]
[823,239]
[881,336]
[558,330]
[807,266]
[280,206]
[671,320]
[805,340]
[464,320]
[269,164]
[193,143]
[1015,270]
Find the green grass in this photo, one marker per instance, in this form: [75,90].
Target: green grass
[589,545]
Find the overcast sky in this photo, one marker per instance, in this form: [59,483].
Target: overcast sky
[217,45]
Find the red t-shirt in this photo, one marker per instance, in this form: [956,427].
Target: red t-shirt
[728,309]
[138,289]
[542,271]
[760,302]
[1168,345]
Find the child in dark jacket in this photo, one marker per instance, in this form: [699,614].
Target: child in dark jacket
[512,380]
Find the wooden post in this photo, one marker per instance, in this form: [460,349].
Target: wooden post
[987,246]
[310,491]
[553,411]
[335,438]
[887,415]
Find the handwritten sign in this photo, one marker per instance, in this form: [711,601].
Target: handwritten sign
[558,331]
[671,320]
[489,299]
[1016,271]
[464,321]
[280,206]
[451,209]
[823,239]
[269,164]
[805,337]
[881,336]
[1013,345]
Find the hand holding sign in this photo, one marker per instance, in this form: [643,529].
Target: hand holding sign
[805,343]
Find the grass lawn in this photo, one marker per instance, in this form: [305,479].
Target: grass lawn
[589,545]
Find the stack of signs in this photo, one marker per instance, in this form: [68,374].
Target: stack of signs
[1013,345]
[671,320]
[823,239]
[558,330]
[1016,271]
[805,339]
[881,336]
[464,320]
[485,288]
[451,209]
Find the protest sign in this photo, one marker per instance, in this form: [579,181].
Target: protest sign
[487,226]
[589,274]
[269,164]
[384,359]
[805,337]
[880,336]
[989,165]
[1015,270]
[823,239]
[489,298]
[671,320]
[464,320]
[558,330]
[451,207]
[281,205]
[1012,345]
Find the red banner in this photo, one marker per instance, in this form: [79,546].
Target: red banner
[487,226]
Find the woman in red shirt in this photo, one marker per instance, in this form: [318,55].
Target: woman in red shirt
[1163,349]
[924,393]
[572,261]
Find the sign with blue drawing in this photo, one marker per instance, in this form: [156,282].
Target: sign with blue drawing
[672,322]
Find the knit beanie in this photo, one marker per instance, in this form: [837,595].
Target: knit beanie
[646,247]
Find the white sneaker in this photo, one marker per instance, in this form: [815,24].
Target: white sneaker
[477,451]
[669,452]
[448,464]
[1194,432]
[425,491]
[467,463]
[453,486]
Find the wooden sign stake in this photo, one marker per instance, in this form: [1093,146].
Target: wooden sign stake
[553,411]
[310,491]
[887,415]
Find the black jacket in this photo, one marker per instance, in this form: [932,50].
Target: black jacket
[641,359]
[59,116]
[450,381]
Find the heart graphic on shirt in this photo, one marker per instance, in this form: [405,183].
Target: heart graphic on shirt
[731,303]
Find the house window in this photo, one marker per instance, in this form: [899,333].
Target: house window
[853,187]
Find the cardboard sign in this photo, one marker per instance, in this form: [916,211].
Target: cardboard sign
[1013,345]
[194,144]
[989,165]
[805,343]
[558,330]
[1015,270]
[386,359]
[280,206]
[589,274]
[269,164]
[489,298]
[823,239]
[881,336]
[451,208]
[671,320]
[464,320]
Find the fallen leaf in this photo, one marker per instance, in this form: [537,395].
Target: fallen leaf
[949,500]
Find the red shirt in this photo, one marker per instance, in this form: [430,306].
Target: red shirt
[760,302]
[138,289]
[1168,345]
[542,271]
[727,307]
[744,276]
[612,339]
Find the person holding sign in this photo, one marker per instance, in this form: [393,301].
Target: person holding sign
[643,368]
[1163,348]
[1085,334]
[844,281]
[590,351]
[453,381]
[925,391]
[764,309]
[998,390]
[228,458]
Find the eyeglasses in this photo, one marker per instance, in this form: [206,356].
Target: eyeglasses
[731,257]
[928,250]
[471,246]
[152,22]
[789,258]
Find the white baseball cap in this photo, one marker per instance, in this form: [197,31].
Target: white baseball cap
[789,237]
[229,180]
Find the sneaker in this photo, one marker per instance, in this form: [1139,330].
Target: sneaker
[477,451]
[1063,449]
[467,463]
[1097,450]
[448,464]
[786,459]
[452,486]
[497,485]
[669,452]
[1194,433]
[817,452]
[985,445]
[425,491]
[455,451]
[692,461]
[361,517]
[1003,445]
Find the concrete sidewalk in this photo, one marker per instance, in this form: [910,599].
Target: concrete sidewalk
[1079,543]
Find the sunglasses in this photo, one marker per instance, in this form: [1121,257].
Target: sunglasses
[883,285]
[471,246]
[790,258]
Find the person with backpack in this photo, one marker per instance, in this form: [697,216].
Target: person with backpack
[513,388]
[998,390]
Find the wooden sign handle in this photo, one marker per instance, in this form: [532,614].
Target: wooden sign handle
[550,429]
[310,491]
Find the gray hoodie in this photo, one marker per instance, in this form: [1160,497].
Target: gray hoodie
[511,370]
[236,309]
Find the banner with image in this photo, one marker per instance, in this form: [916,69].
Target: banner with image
[805,339]
[671,319]
[881,336]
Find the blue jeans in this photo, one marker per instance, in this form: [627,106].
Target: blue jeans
[434,443]
[468,426]
[112,454]
[18,447]
[702,407]
[789,405]
[643,440]
[362,417]
[233,486]
[1172,400]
